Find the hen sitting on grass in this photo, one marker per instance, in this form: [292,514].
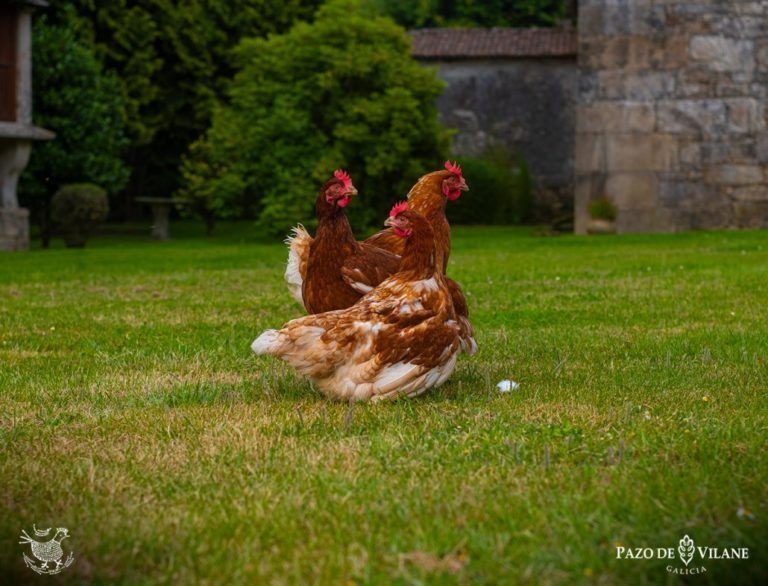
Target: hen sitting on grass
[400,339]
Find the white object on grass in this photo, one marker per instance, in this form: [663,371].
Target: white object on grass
[507,385]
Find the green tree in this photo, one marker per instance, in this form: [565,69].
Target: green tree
[341,92]
[174,59]
[471,13]
[75,98]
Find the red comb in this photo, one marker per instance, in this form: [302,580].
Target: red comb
[453,168]
[398,209]
[343,176]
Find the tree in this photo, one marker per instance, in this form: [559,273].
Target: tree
[174,60]
[84,105]
[471,13]
[340,92]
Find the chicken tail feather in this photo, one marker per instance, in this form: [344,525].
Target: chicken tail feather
[295,270]
[266,343]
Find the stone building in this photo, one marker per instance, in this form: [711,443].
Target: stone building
[658,105]
[514,87]
[16,129]
[671,117]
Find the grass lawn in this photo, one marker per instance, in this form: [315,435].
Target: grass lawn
[133,412]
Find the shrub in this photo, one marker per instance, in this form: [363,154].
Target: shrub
[500,190]
[78,210]
[76,99]
[340,92]
[602,209]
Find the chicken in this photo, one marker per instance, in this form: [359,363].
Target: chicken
[428,197]
[363,268]
[400,339]
[333,270]
[47,551]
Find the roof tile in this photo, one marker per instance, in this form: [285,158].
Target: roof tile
[456,43]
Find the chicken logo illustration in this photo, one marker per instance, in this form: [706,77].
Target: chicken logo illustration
[49,553]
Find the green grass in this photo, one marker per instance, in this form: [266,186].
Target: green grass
[134,414]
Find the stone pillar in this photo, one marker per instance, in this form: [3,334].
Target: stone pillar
[671,118]
[16,138]
[14,221]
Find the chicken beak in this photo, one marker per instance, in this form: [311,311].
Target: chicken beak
[352,191]
[389,222]
[464,186]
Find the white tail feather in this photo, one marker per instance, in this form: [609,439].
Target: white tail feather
[298,246]
[266,343]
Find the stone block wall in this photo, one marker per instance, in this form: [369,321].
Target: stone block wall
[527,105]
[671,113]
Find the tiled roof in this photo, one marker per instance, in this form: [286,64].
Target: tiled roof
[458,43]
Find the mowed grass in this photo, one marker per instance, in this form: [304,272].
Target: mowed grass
[134,414]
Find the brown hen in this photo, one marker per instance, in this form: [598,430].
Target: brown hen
[317,266]
[400,339]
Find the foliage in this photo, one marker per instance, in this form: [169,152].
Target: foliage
[174,60]
[500,190]
[602,209]
[78,210]
[341,92]
[470,13]
[83,105]
[128,388]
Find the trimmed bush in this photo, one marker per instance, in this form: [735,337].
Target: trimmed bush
[78,210]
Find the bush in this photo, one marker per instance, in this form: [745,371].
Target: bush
[500,192]
[602,209]
[83,105]
[78,210]
[340,92]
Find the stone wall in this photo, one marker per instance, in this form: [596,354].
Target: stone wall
[525,104]
[671,116]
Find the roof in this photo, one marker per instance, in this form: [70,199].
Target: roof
[467,43]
